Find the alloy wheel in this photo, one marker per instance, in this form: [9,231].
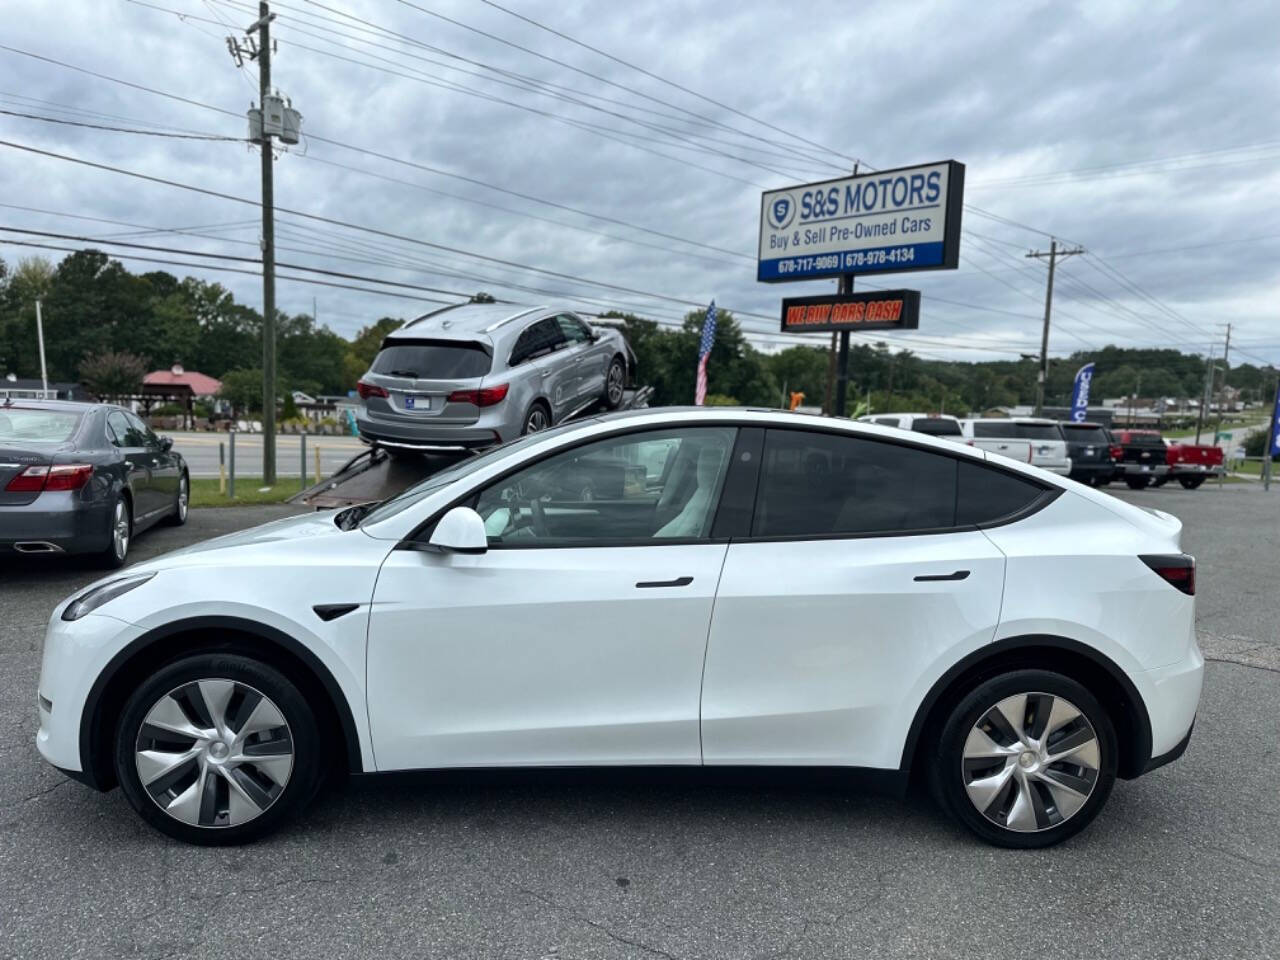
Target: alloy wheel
[615,385]
[214,753]
[537,420]
[184,497]
[120,530]
[1031,762]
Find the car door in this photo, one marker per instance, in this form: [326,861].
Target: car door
[578,636]
[858,583]
[543,347]
[137,459]
[163,466]
[591,358]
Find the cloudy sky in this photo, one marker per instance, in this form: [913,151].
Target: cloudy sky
[1145,132]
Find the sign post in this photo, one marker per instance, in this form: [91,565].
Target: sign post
[891,221]
[1272,447]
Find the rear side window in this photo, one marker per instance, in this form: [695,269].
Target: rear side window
[538,340]
[432,359]
[985,495]
[995,430]
[1038,431]
[936,427]
[819,484]
[1077,434]
[19,425]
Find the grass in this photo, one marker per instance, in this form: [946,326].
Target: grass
[204,491]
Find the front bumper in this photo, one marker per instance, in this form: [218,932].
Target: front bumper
[75,654]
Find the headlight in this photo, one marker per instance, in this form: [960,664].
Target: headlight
[103,593]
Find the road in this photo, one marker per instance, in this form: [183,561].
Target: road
[201,453]
[1183,863]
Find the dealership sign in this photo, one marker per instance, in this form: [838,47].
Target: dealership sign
[881,310]
[890,221]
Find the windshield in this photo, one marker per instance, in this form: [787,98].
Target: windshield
[1078,434]
[21,425]
[432,360]
[389,508]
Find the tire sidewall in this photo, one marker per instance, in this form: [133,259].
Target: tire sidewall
[304,779]
[946,764]
[546,412]
[615,362]
[108,557]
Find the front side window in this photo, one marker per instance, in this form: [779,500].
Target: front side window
[123,433]
[538,340]
[822,484]
[572,329]
[658,485]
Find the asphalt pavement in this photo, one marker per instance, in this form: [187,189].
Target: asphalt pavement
[1184,862]
[201,451]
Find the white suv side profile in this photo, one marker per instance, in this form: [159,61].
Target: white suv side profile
[1048,443]
[665,587]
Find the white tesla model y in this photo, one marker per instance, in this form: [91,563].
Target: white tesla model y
[665,587]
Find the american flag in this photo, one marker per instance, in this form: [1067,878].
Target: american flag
[704,351]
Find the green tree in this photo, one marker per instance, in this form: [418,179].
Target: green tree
[243,390]
[113,375]
[361,351]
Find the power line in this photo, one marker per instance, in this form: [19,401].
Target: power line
[147,133]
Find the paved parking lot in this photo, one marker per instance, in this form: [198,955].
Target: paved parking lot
[1183,863]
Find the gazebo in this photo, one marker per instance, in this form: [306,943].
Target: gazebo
[178,385]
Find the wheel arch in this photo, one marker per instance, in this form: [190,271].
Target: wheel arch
[1082,663]
[163,645]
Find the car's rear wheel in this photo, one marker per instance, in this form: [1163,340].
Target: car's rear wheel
[1159,481]
[1190,483]
[1027,759]
[183,502]
[1137,483]
[120,532]
[615,383]
[217,749]
[538,418]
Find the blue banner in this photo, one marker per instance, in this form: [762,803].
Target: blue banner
[1275,427]
[1080,396]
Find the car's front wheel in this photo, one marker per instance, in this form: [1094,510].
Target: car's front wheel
[217,748]
[1026,759]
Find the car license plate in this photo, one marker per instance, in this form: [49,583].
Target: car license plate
[416,402]
[1146,468]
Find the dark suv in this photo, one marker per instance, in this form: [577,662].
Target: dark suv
[1089,445]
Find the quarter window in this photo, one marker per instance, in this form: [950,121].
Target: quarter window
[538,340]
[986,495]
[657,486]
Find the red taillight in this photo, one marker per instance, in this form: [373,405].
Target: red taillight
[1117,452]
[484,397]
[367,390]
[70,476]
[1178,570]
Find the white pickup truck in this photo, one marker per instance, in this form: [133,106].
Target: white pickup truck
[1028,439]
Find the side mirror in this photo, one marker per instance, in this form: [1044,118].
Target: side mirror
[460,531]
[166,444]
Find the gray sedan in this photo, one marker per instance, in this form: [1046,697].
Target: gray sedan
[83,478]
[478,374]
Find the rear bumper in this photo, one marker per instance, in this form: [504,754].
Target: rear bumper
[1196,470]
[1142,469]
[1061,467]
[60,519]
[1092,471]
[1172,695]
[427,436]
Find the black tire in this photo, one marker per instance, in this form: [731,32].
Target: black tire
[303,780]
[615,383]
[1137,483]
[536,418]
[1190,483]
[1102,481]
[947,770]
[1159,481]
[182,504]
[115,554]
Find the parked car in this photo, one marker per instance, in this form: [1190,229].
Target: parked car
[1048,447]
[1192,463]
[479,374]
[1091,449]
[1143,457]
[779,590]
[930,424]
[84,478]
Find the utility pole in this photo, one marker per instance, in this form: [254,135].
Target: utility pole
[1052,256]
[263,27]
[842,364]
[44,373]
[1222,391]
[1273,431]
